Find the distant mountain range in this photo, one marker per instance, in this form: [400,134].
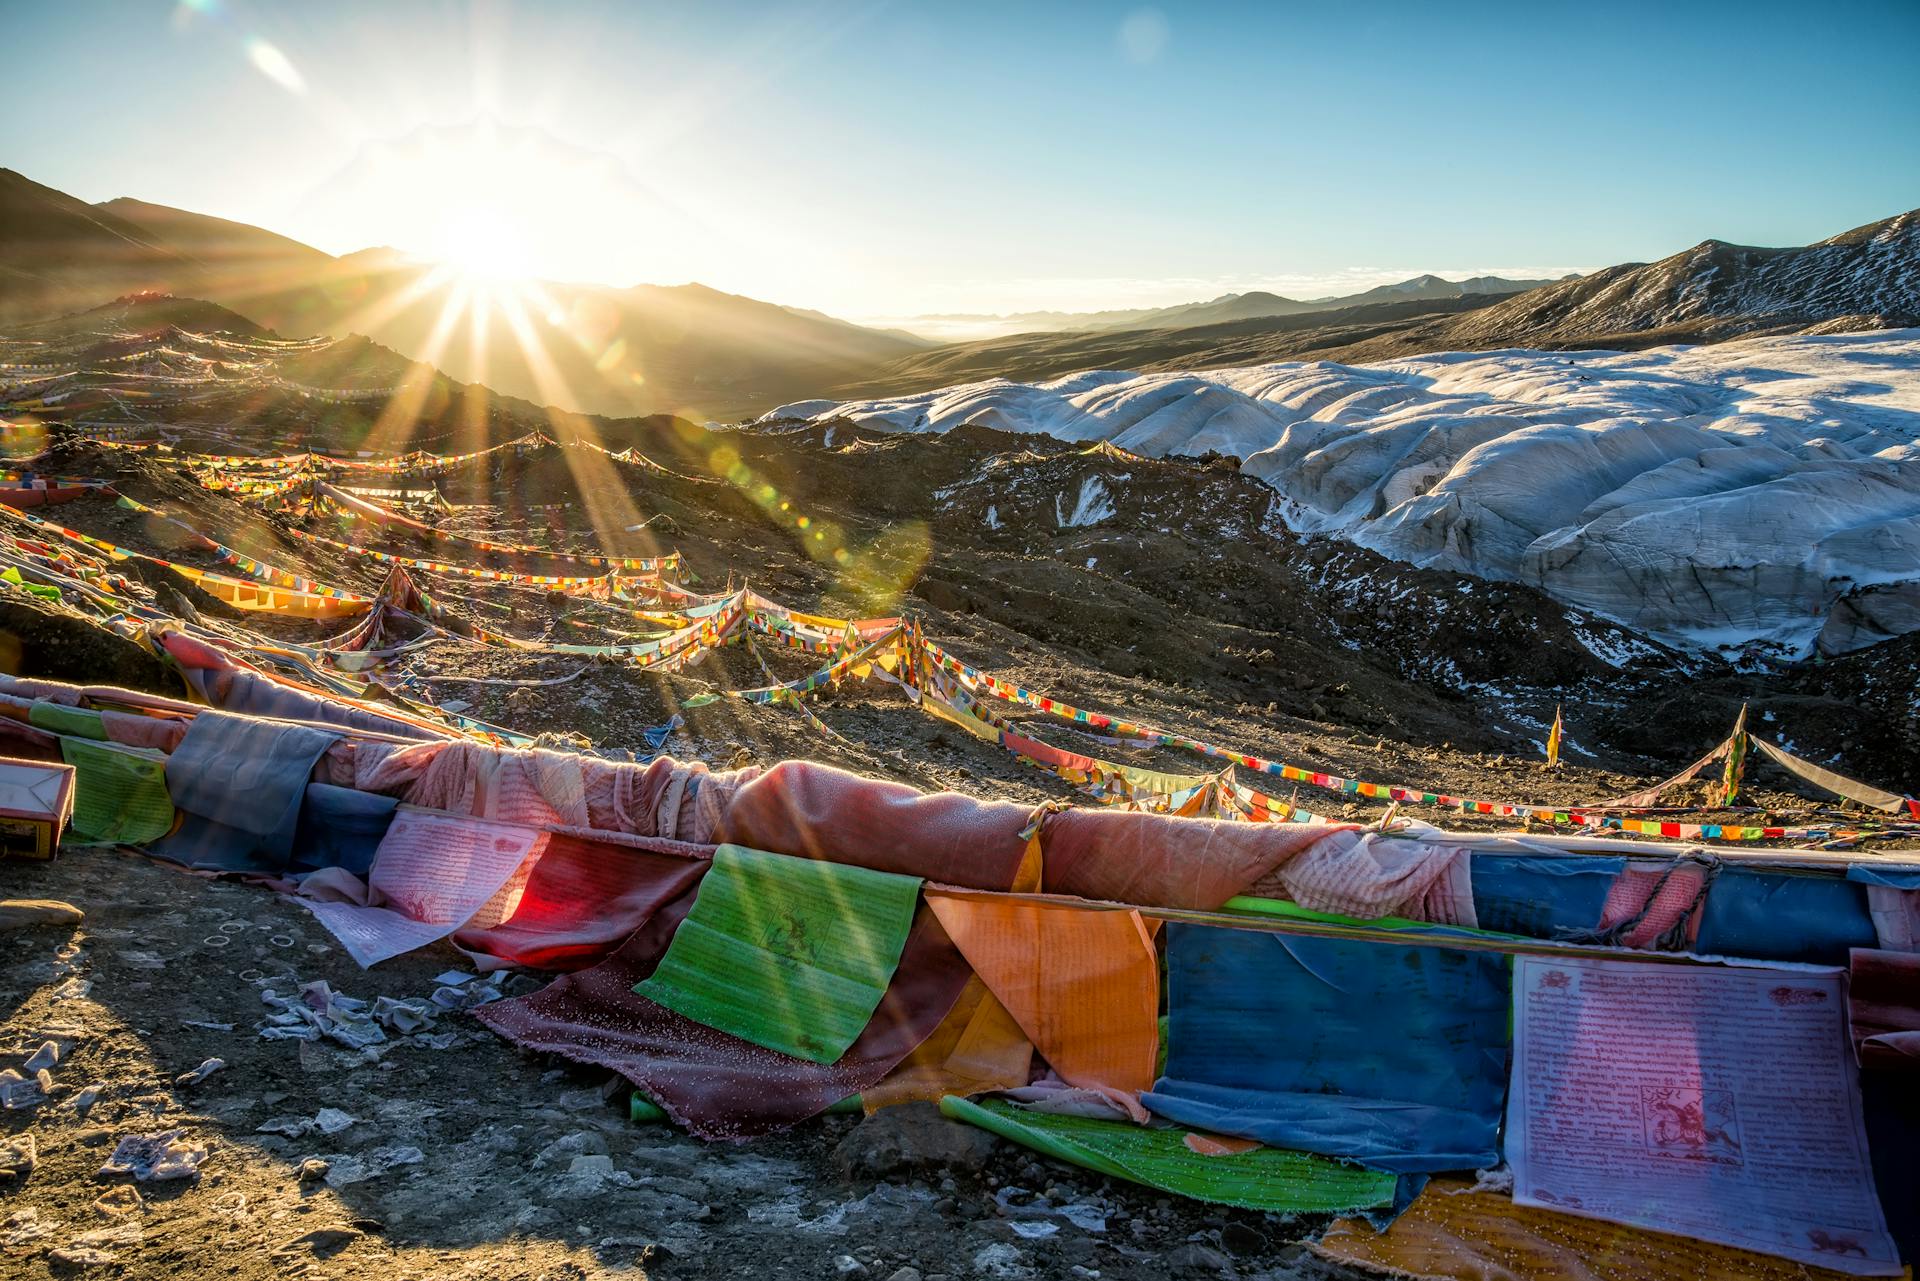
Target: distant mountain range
[1227,307]
[700,353]
[1867,278]
[651,348]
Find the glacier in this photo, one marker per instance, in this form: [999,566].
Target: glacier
[1764,490]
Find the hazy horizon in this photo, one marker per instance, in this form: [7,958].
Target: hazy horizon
[886,162]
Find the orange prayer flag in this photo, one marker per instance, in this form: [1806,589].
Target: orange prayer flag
[1451,1234]
[1084,985]
[977,1047]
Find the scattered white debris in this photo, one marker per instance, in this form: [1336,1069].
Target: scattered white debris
[206,1069]
[293,1127]
[157,1157]
[17,1091]
[1000,1260]
[18,1156]
[24,1226]
[80,1256]
[120,1234]
[326,1121]
[1033,1229]
[343,1169]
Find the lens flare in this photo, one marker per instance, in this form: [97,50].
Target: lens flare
[275,66]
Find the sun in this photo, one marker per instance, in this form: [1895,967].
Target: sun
[483,244]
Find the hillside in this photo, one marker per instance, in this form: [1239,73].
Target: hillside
[1434,287]
[216,242]
[1258,304]
[59,254]
[1036,357]
[586,348]
[1173,587]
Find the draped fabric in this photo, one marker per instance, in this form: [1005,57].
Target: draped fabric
[239,783]
[1392,1056]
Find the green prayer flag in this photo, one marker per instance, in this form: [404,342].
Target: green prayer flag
[1286,909]
[792,954]
[642,1110]
[120,793]
[13,575]
[1273,1179]
[75,722]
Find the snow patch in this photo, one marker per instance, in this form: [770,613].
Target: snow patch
[1705,496]
[1094,504]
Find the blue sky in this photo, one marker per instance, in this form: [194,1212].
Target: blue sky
[887,159]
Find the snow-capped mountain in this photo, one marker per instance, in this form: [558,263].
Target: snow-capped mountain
[1764,489]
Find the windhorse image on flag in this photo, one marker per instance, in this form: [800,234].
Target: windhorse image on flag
[912,642]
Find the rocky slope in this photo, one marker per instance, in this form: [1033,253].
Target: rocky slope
[1716,290]
[1170,586]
